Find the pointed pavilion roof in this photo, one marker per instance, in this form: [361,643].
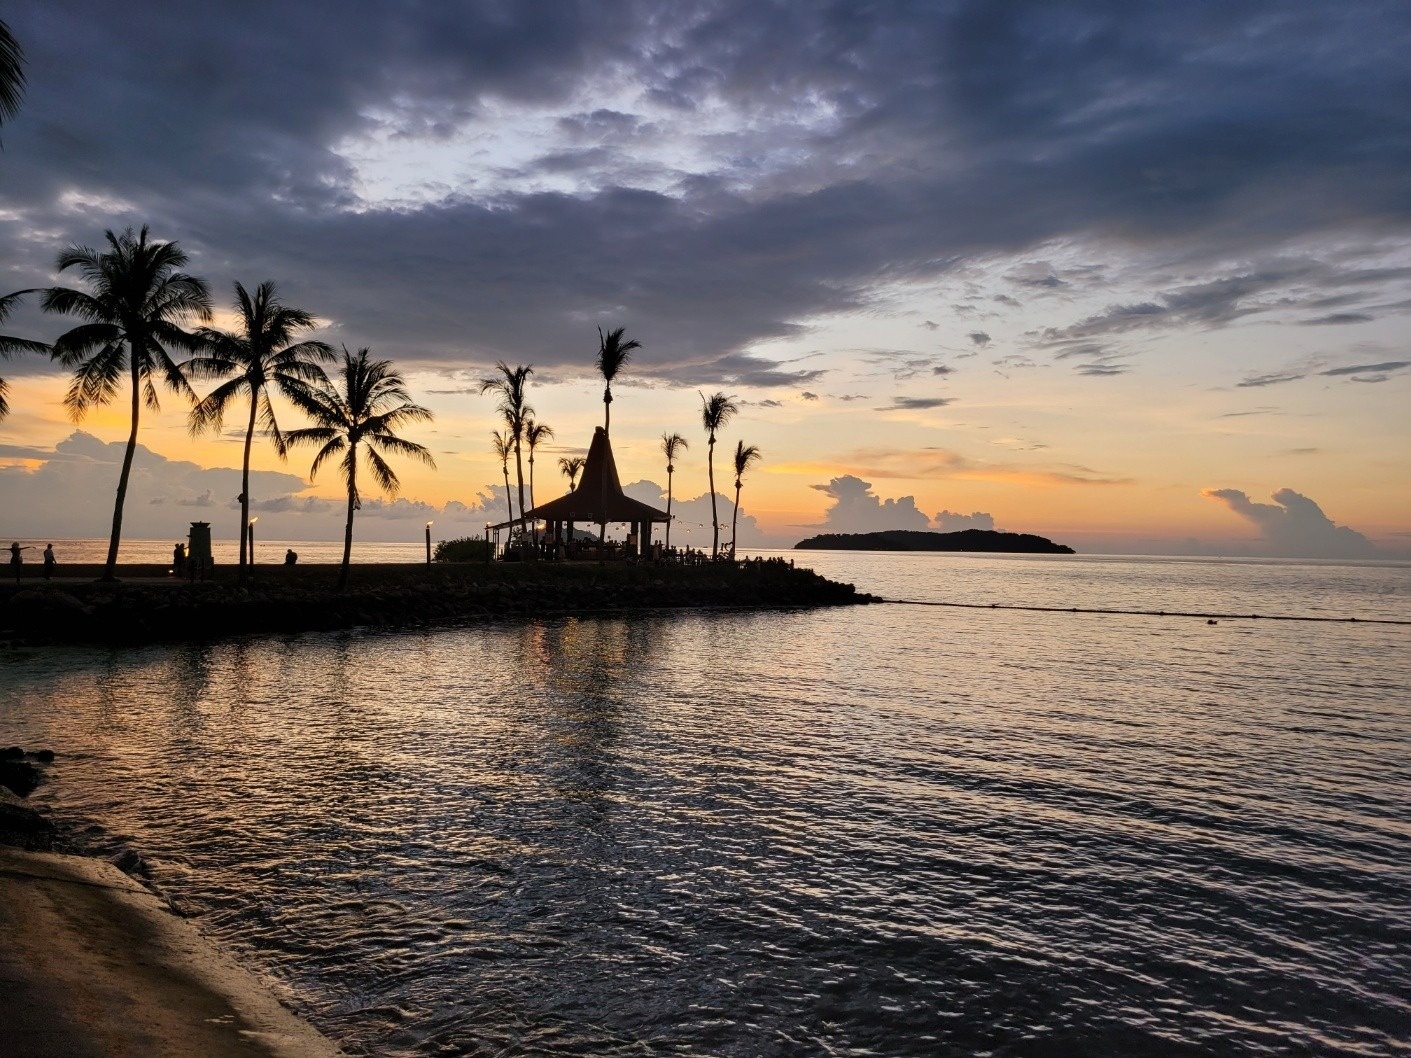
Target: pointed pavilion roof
[585,503]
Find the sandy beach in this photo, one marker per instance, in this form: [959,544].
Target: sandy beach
[94,964]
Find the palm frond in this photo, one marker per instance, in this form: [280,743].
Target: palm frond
[12,79]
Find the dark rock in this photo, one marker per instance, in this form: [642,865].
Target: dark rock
[44,756]
[23,826]
[19,776]
[129,862]
[11,752]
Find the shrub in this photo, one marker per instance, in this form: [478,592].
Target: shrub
[466,549]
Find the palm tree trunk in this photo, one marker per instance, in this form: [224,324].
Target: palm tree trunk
[603,498]
[668,510]
[519,477]
[509,497]
[348,529]
[714,519]
[115,538]
[532,504]
[735,522]
[245,487]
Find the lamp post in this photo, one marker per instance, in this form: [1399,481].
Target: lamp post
[428,542]
[250,531]
[487,543]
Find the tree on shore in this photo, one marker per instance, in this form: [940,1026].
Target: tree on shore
[364,408]
[535,433]
[132,317]
[516,412]
[745,457]
[262,355]
[12,79]
[504,448]
[613,355]
[672,445]
[716,410]
[9,346]
[571,466]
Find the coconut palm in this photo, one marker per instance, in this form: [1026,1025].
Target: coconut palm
[672,445]
[745,457]
[504,448]
[534,434]
[262,355]
[12,79]
[571,465]
[132,317]
[10,346]
[613,354]
[515,410]
[716,410]
[363,408]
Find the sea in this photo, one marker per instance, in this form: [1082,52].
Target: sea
[909,828]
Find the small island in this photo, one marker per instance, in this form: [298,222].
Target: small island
[914,540]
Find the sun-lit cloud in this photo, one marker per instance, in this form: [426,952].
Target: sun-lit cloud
[1295,525]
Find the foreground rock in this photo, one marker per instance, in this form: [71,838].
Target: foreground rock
[303,598]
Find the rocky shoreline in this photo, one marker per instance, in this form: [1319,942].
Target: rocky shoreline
[146,605]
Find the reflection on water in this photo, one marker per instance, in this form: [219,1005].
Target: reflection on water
[889,830]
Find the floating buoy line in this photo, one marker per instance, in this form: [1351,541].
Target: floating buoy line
[1212,617]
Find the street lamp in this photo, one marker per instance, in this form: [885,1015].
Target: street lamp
[428,542]
[251,532]
[487,543]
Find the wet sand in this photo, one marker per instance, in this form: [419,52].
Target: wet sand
[94,964]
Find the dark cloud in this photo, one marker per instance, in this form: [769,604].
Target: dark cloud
[1296,526]
[806,395]
[1362,369]
[942,369]
[917,403]
[1338,318]
[938,133]
[979,338]
[1255,381]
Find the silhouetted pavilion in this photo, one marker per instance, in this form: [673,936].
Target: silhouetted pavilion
[599,492]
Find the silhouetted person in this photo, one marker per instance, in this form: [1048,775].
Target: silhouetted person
[290,557]
[49,561]
[178,559]
[17,559]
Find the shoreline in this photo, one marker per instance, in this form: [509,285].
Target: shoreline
[93,962]
[146,604]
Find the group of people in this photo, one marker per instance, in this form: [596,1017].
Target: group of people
[17,559]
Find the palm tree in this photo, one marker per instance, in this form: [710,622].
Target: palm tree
[9,346]
[672,445]
[516,412]
[745,457]
[534,433]
[132,316]
[503,448]
[261,356]
[369,402]
[613,354]
[716,411]
[12,79]
[571,465]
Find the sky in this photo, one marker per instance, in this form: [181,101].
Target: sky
[1133,276]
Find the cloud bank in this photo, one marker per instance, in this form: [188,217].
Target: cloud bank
[1295,526]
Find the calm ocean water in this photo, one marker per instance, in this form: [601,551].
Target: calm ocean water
[890,830]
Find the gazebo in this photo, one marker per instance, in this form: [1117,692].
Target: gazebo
[599,492]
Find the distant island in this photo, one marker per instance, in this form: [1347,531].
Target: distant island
[914,540]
